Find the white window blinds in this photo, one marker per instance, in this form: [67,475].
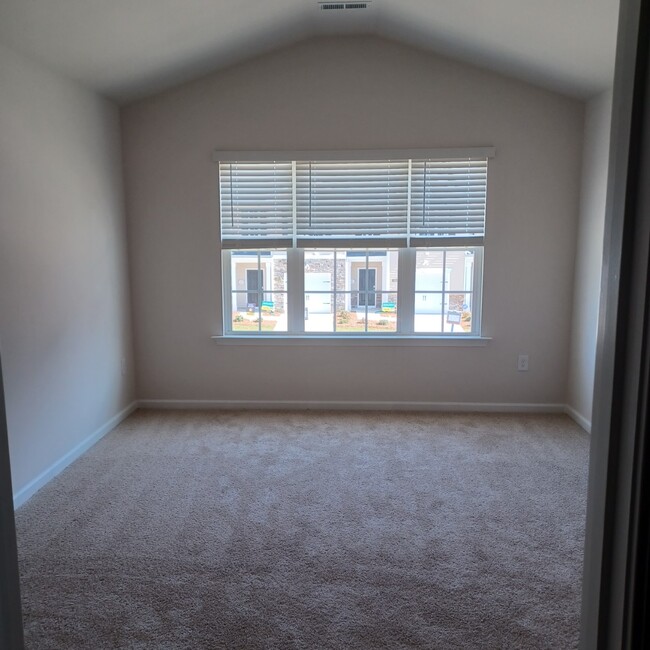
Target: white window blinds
[257,202]
[356,200]
[401,203]
[448,199]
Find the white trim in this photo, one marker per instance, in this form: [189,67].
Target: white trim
[225,326]
[296,290]
[577,418]
[243,155]
[361,340]
[302,405]
[27,491]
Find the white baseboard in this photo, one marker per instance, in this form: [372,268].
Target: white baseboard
[300,405]
[47,475]
[577,418]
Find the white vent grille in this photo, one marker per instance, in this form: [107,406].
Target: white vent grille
[329,6]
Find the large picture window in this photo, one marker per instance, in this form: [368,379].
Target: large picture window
[389,246]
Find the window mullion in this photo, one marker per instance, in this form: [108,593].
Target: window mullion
[334,293]
[226,298]
[477,291]
[445,294]
[296,290]
[365,300]
[260,295]
[406,291]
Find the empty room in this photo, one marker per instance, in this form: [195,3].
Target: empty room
[299,306]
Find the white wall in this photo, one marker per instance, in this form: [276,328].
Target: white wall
[64,299]
[589,257]
[354,92]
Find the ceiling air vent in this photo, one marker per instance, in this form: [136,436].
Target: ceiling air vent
[343,5]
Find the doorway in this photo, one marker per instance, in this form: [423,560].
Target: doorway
[254,284]
[367,286]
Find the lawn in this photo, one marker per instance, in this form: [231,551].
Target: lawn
[252,326]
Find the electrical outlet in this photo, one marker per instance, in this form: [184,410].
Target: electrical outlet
[522,363]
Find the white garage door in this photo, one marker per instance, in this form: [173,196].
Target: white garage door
[318,303]
[429,280]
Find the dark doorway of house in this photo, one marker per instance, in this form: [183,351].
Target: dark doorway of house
[254,284]
[367,285]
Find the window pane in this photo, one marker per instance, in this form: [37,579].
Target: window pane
[451,314]
[444,280]
[349,316]
[460,269]
[241,262]
[267,312]
[319,271]
[277,270]
[274,312]
[319,312]
[346,287]
[384,318]
[259,284]
[245,312]
[390,279]
[458,318]
[428,312]
[254,271]
[428,270]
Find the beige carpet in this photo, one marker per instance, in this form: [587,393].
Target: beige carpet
[311,530]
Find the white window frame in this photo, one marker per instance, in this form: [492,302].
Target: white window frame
[406,266]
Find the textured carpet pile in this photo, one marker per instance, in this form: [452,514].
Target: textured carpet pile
[311,530]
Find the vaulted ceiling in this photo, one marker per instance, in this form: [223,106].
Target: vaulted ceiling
[126,49]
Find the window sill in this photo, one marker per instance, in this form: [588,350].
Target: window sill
[345,341]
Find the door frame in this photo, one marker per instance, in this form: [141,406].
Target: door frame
[11,619]
[616,579]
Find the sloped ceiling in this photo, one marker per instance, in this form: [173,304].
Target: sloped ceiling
[126,49]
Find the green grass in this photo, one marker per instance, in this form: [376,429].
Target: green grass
[250,326]
[360,327]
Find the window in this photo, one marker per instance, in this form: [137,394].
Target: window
[258,296]
[350,291]
[353,244]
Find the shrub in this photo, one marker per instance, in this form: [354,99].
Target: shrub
[238,319]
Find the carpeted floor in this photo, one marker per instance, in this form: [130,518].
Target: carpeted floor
[311,530]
